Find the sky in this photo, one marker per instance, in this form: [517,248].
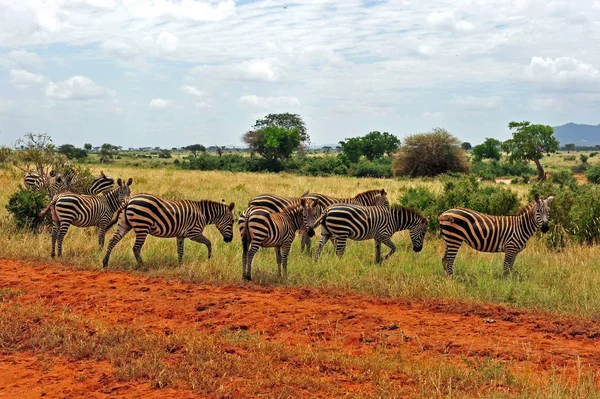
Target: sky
[171,73]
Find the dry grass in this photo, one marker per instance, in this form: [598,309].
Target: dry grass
[565,282]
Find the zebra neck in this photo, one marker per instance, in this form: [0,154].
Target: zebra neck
[295,217]
[403,218]
[528,224]
[112,198]
[211,210]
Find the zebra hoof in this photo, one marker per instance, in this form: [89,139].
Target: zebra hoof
[247,278]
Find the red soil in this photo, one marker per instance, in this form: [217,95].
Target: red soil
[530,342]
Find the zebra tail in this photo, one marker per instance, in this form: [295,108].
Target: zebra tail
[318,221]
[116,217]
[445,218]
[246,235]
[46,209]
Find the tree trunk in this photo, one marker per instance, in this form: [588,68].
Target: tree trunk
[541,174]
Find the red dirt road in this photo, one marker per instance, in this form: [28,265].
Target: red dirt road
[530,342]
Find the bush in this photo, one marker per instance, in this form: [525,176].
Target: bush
[492,170]
[593,154]
[584,158]
[24,205]
[323,166]
[430,154]
[364,168]
[569,157]
[563,178]
[593,174]
[580,168]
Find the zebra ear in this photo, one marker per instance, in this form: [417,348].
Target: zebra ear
[303,202]
[129,181]
[537,198]
[231,206]
[102,174]
[549,200]
[383,193]
[119,182]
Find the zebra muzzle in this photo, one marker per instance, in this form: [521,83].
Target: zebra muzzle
[545,228]
[310,232]
[417,249]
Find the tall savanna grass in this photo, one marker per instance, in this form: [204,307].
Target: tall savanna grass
[561,282]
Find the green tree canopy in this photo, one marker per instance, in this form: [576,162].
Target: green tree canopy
[286,120]
[108,152]
[570,147]
[373,145]
[72,152]
[530,143]
[489,149]
[274,143]
[195,149]
[87,147]
[466,146]
[352,148]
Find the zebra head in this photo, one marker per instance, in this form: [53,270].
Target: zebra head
[124,190]
[225,223]
[310,210]
[417,232]
[542,211]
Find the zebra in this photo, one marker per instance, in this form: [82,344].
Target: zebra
[359,223]
[270,203]
[149,214]
[52,184]
[96,186]
[275,229]
[487,233]
[85,211]
[367,198]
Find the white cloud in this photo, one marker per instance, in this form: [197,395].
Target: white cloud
[255,70]
[192,91]
[75,88]
[265,102]
[22,78]
[435,115]
[563,74]
[472,103]
[185,9]
[203,104]
[21,59]
[167,41]
[159,103]
[446,21]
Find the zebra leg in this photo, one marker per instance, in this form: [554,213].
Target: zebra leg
[180,249]
[377,251]
[305,243]
[340,246]
[388,242]
[324,238]
[509,259]
[278,255]
[449,258]
[251,252]
[101,235]
[140,238]
[203,240]
[54,235]
[285,251]
[122,229]
[62,232]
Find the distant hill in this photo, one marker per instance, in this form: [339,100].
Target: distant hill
[580,135]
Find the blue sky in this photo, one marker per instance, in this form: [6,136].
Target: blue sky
[174,72]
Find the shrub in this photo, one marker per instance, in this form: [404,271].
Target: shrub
[593,174]
[323,166]
[584,158]
[364,168]
[593,154]
[492,170]
[580,168]
[24,205]
[430,154]
[563,178]
[569,157]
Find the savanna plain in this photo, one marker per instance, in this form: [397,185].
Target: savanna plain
[335,328]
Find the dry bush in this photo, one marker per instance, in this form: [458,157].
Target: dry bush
[430,154]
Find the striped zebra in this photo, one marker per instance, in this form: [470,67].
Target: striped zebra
[149,214]
[275,230]
[487,233]
[358,222]
[270,203]
[96,186]
[367,198]
[85,211]
[52,184]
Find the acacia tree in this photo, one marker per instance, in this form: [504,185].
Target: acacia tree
[274,143]
[466,146]
[220,149]
[530,143]
[570,147]
[87,147]
[195,149]
[286,120]
[373,145]
[108,152]
[489,149]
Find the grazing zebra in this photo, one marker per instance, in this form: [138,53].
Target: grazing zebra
[148,214]
[367,198]
[52,183]
[370,222]
[487,233]
[275,229]
[96,186]
[85,211]
[269,203]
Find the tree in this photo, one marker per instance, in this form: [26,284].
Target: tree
[570,147]
[108,152]
[530,142]
[326,149]
[287,120]
[72,152]
[352,148]
[490,149]
[430,154]
[466,146]
[87,147]
[274,143]
[164,154]
[195,149]
[377,144]
[220,150]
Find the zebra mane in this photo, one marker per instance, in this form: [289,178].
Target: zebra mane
[368,193]
[410,211]
[527,207]
[291,208]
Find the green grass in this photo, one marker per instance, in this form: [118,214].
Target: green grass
[564,282]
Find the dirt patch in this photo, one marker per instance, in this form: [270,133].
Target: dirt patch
[354,324]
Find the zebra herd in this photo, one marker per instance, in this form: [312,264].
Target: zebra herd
[272,221]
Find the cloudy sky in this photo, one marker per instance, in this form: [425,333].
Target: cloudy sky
[175,72]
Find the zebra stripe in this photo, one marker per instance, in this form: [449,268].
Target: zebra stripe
[52,183]
[85,211]
[275,230]
[487,233]
[357,222]
[98,185]
[149,214]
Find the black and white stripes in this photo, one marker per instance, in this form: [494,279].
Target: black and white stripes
[487,233]
[148,214]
